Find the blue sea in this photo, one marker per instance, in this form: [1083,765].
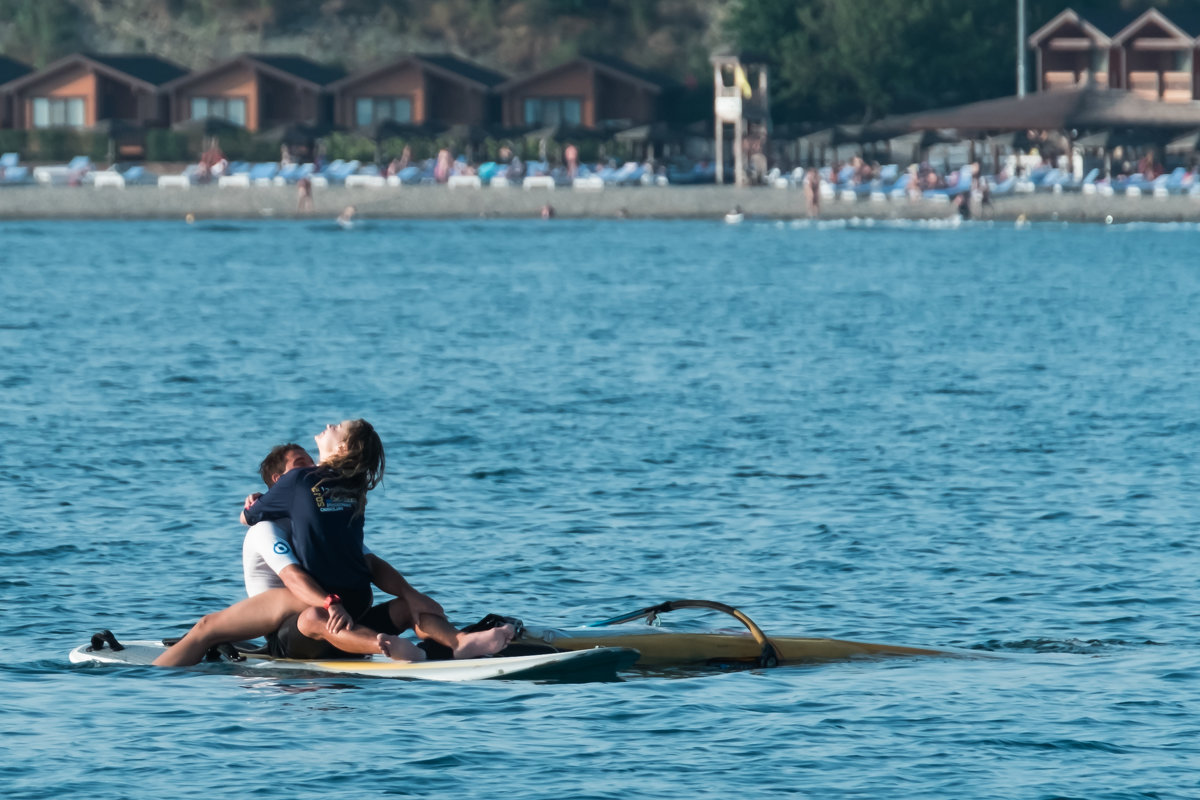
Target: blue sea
[980,437]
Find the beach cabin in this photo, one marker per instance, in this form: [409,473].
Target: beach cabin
[256,92]
[427,89]
[586,92]
[1158,57]
[85,89]
[1074,51]
[1151,54]
[10,70]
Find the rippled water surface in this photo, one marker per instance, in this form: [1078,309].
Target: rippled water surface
[979,437]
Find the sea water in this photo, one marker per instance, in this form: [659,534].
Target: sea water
[982,437]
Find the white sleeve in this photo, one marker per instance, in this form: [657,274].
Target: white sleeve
[266,550]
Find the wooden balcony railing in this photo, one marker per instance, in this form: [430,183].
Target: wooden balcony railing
[1144,84]
[1177,87]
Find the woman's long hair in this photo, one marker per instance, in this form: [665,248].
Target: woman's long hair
[358,468]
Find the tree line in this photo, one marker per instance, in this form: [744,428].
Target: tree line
[830,60]
[858,60]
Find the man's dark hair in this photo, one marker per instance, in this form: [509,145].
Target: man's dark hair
[273,463]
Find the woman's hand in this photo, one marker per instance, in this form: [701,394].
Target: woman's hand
[251,499]
[338,619]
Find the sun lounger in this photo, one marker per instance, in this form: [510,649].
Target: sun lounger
[263,173]
[464,182]
[239,180]
[962,184]
[538,182]
[365,181]
[108,178]
[897,187]
[339,170]
[11,171]
[590,183]
[180,181]
[1001,188]
[60,175]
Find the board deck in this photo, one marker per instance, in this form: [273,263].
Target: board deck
[596,664]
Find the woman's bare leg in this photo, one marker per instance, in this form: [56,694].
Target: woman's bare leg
[357,639]
[464,645]
[255,616]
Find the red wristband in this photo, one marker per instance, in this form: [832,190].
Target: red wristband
[331,599]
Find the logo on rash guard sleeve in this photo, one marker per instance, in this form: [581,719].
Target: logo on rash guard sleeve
[281,548]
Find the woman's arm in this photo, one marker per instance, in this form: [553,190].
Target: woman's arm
[309,592]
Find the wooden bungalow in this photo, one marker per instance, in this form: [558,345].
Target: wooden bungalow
[587,92]
[1157,57]
[1149,54]
[85,89]
[10,70]
[423,89]
[256,92]
[1074,51]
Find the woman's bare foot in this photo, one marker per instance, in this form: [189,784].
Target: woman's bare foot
[398,649]
[484,643]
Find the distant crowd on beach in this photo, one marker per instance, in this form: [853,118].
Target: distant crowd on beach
[969,189]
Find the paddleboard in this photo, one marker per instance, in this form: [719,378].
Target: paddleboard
[577,666]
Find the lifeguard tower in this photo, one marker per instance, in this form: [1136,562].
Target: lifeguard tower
[741,98]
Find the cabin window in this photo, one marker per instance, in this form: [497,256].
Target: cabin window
[230,109]
[377,109]
[553,110]
[58,112]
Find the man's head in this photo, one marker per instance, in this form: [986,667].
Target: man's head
[283,458]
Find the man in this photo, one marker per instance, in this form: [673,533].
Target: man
[269,562]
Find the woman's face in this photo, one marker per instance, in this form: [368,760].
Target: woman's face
[333,438]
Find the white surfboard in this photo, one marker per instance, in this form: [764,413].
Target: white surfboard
[597,664]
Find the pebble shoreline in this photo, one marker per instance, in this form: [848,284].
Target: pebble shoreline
[439,202]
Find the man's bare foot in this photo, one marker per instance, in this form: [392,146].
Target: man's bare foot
[398,649]
[484,643]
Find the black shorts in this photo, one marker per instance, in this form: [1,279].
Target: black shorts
[379,619]
[289,642]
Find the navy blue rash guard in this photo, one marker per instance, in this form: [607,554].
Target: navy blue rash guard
[326,534]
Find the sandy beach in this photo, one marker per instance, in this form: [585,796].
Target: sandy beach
[432,202]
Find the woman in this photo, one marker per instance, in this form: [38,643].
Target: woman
[325,504]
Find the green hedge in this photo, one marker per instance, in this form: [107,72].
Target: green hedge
[63,144]
[14,142]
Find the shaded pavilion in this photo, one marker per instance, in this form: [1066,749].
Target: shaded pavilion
[1085,109]
[1122,115]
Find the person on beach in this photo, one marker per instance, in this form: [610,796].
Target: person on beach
[325,505]
[304,195]
[812,191]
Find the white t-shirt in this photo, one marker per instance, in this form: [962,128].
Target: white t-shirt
[266,550]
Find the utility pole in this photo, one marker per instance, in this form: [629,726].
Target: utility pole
[1020,48]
